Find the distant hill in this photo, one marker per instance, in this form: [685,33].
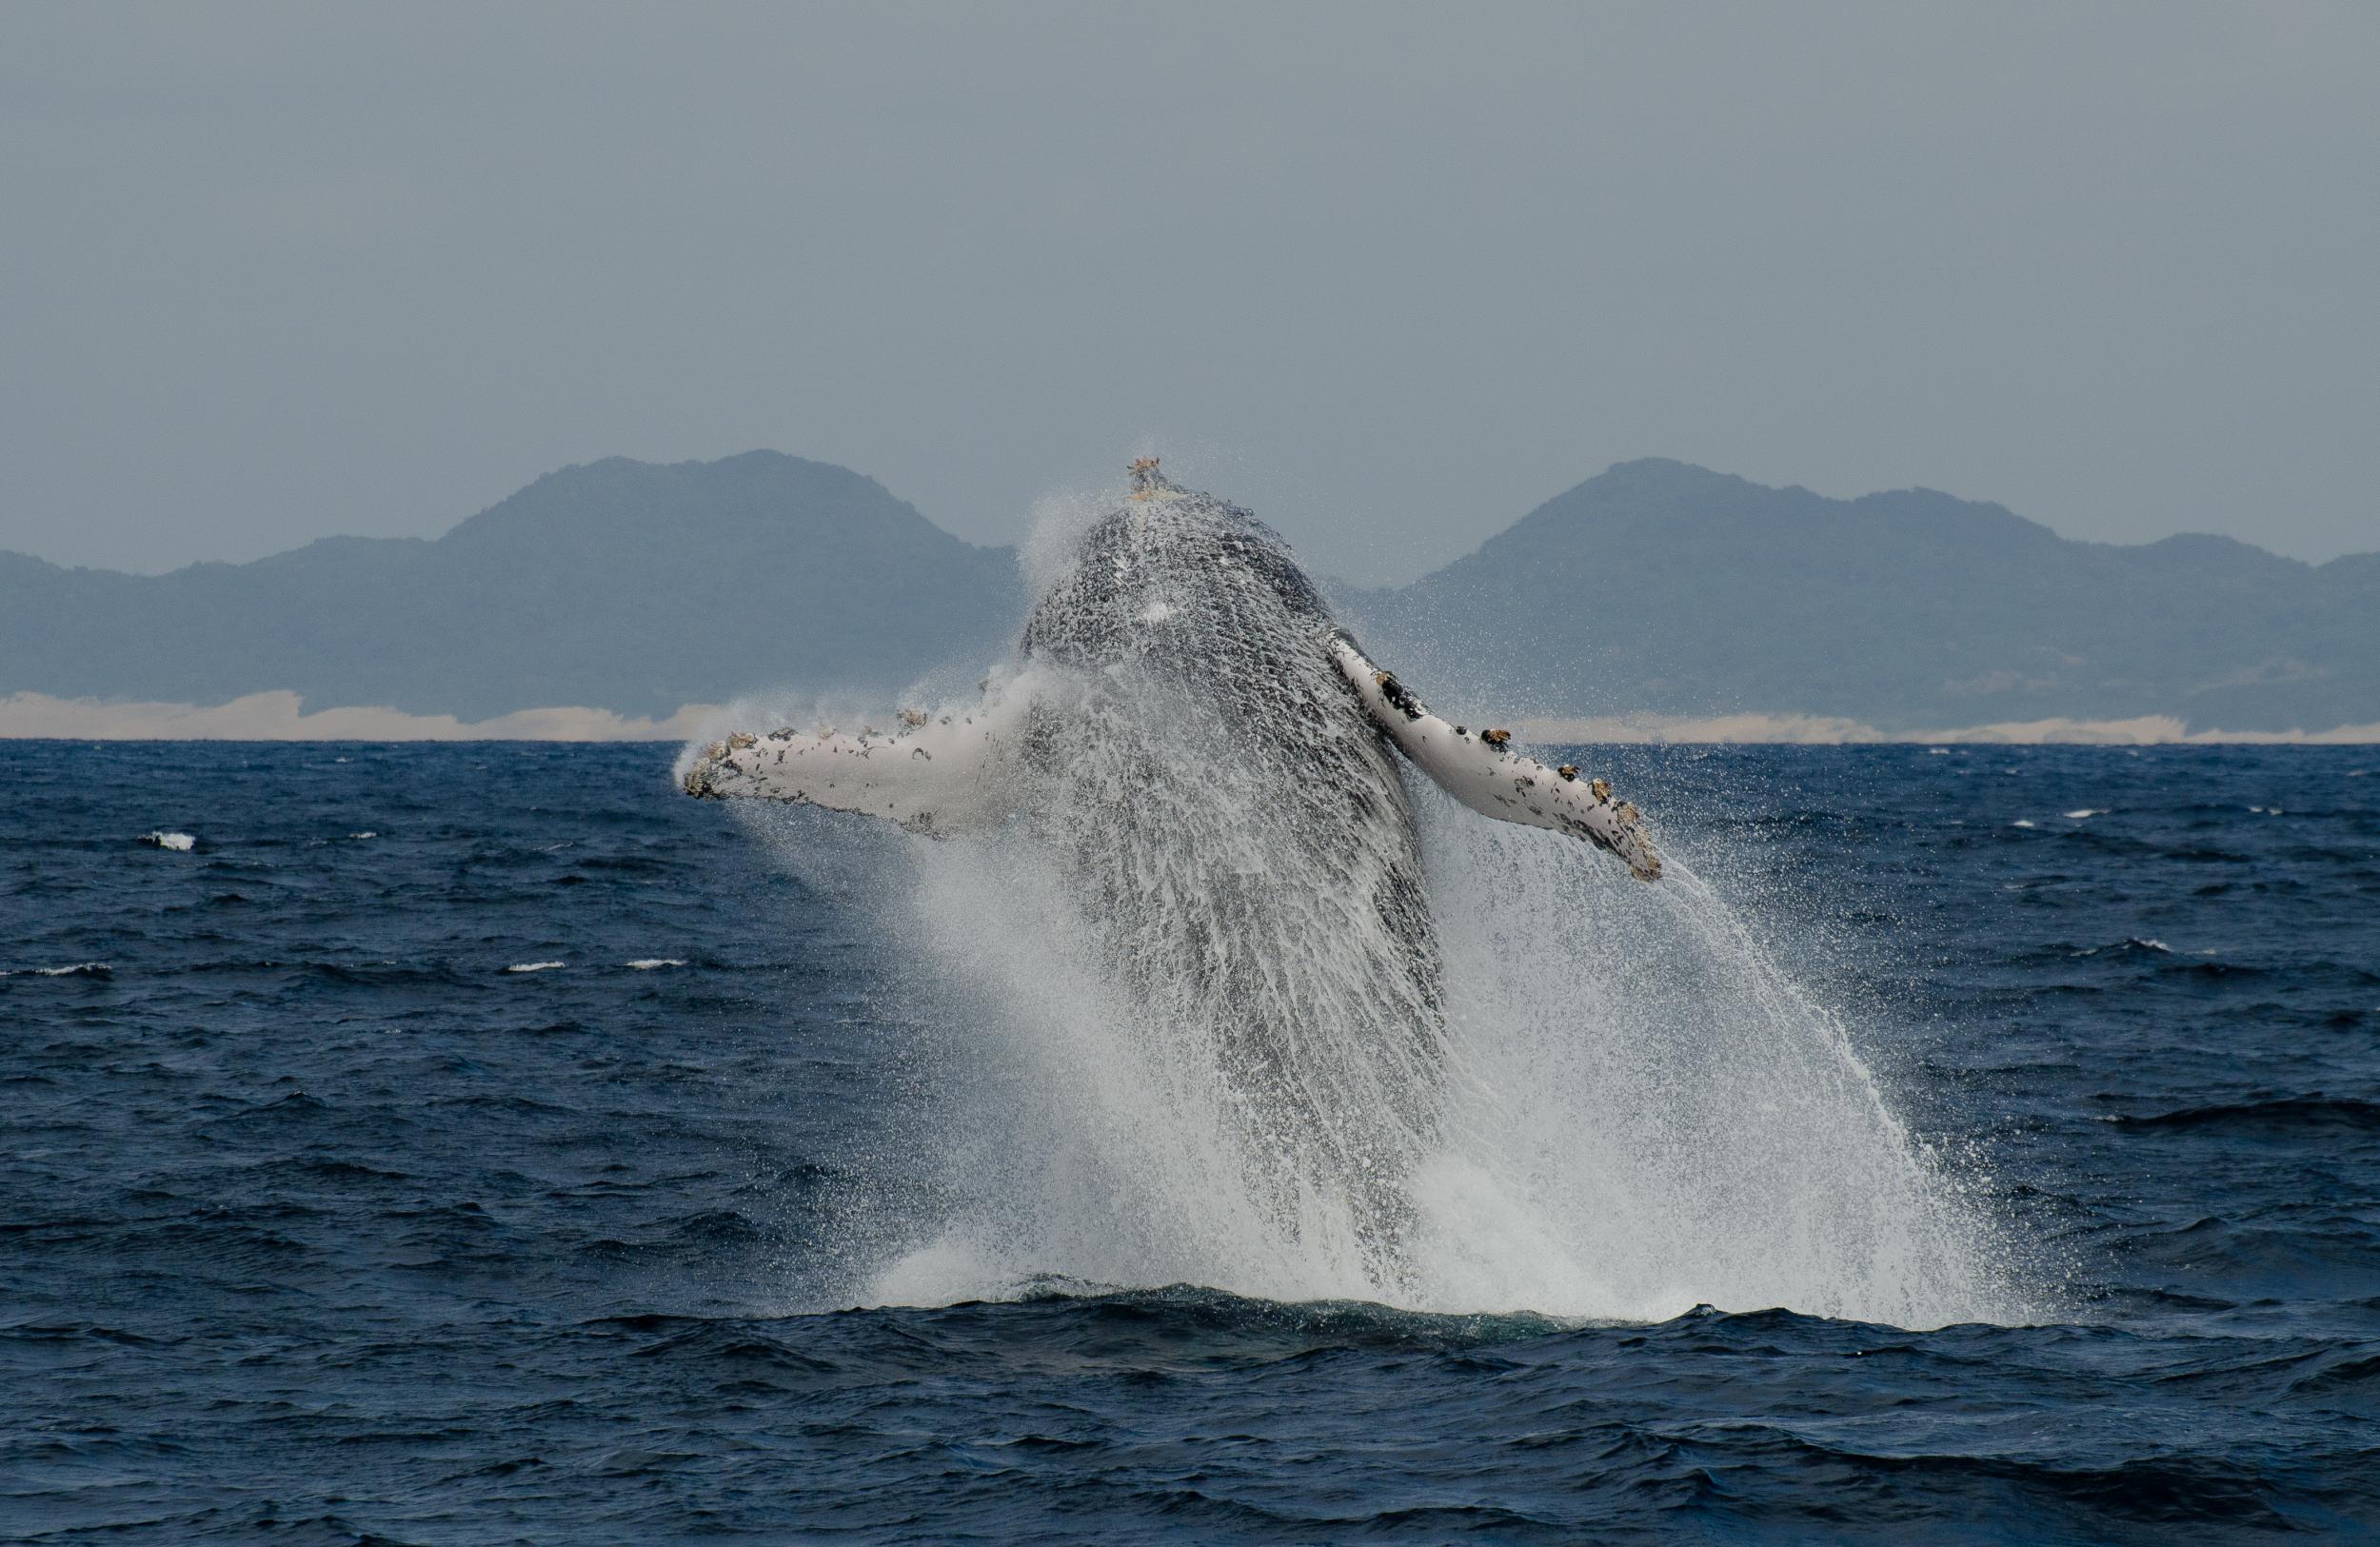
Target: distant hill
[1655,588]
[620,585]
[1666,588]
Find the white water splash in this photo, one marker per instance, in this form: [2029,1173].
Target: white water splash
[1664,1118]
[1642,1114]
[1638,1110]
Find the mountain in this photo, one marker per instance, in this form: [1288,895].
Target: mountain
[1656,587]
[1661,587]
[622,584]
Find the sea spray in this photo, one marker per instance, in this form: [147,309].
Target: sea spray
[1642,1113]
[1652,1113]
[1182,1027]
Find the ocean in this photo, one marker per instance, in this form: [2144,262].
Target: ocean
[483,1143]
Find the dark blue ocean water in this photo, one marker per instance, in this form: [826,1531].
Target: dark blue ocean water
[318,1223]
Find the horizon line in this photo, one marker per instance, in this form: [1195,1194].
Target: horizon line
[280,716]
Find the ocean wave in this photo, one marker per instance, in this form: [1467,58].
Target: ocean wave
[653,964]
[179,842]
[2345,1374]
[2295,1114]
[535,966]
[2211,970]
[1048,1308]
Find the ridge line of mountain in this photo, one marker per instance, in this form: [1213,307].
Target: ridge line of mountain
[1654,588]
[1913,490]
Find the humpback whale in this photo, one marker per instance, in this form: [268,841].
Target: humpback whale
[1182,663]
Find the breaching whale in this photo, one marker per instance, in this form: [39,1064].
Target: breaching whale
[1180,665]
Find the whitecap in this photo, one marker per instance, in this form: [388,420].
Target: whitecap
[1937,751]
[364,834]
[2020,823]
[179,842]
[535,966]
[649,962]
[79,969]
[2086,812]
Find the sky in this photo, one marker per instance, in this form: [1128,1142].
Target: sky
[1393,274]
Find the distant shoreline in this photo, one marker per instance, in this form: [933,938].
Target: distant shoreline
[282,716]
[1823,730]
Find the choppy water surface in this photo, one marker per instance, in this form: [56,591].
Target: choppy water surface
[468,1144]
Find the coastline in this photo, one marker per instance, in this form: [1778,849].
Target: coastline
[282,716]
[1823,730]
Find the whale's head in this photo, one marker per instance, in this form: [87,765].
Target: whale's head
[1171,574]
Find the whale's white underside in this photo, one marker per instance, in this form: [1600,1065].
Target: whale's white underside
[1479,770]
[950,773]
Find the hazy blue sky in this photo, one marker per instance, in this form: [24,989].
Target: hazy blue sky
[1394,273]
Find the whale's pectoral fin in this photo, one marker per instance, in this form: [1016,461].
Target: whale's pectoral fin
[939,774]
[1479,769]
